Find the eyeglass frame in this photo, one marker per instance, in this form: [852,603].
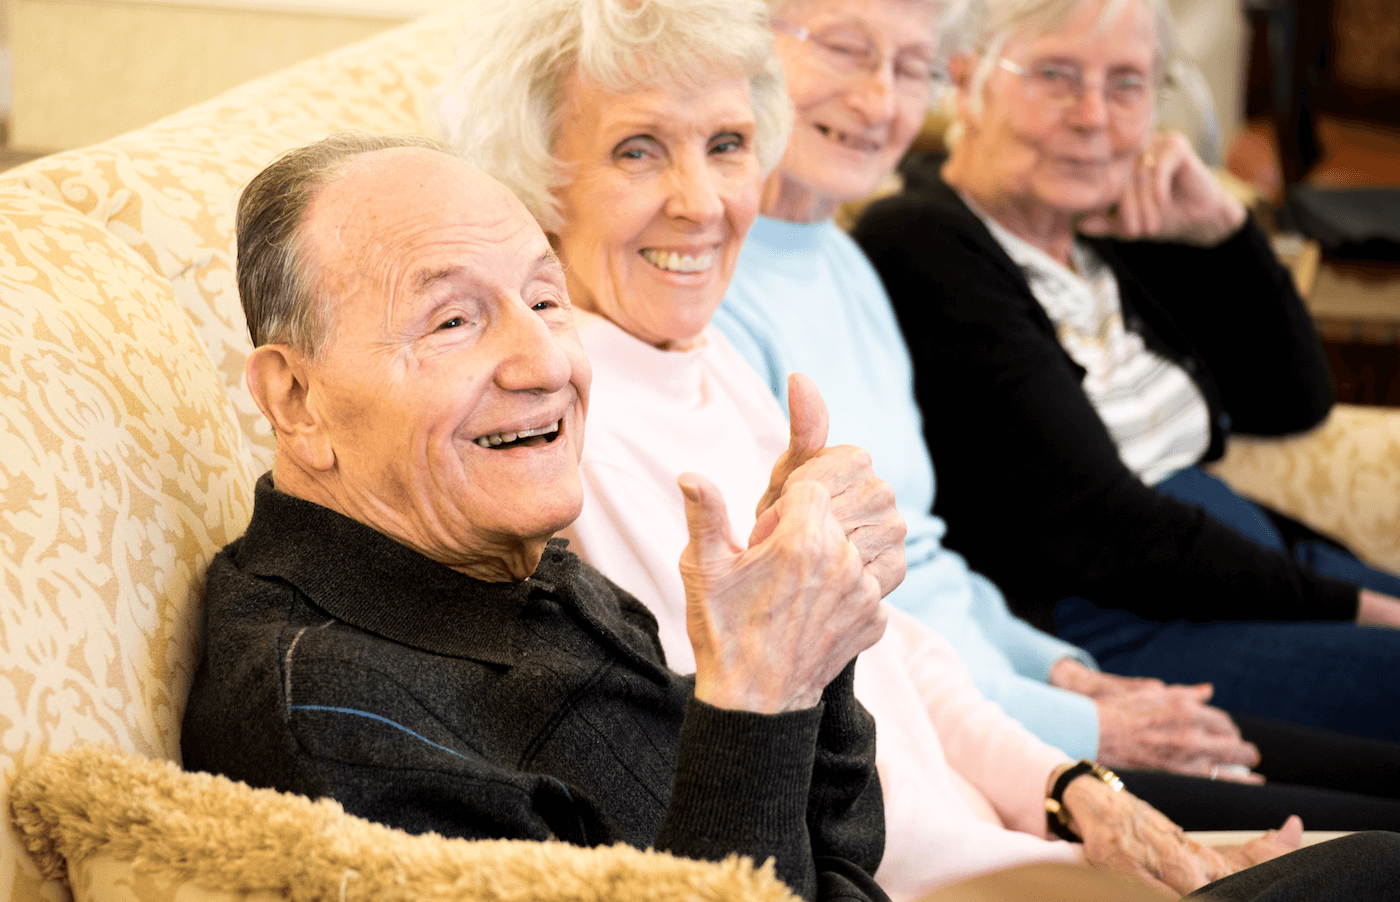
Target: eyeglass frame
[937,77]
[1151,86]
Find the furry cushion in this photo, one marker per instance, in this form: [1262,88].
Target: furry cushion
[127,828]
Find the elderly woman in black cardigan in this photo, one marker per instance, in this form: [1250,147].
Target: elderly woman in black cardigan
[1090,315]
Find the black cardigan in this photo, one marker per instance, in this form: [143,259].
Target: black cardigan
[1030,482]
[340,663]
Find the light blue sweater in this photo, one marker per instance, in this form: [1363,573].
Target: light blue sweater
[805,298]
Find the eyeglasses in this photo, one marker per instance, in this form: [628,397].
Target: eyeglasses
[1127,94]
[846,52]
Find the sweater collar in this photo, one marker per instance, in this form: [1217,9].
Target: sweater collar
[374,583]
[624,365]
[794,242]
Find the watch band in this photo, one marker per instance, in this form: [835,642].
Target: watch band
[1056,818]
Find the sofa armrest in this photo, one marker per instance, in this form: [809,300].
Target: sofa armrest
[127,828]
[1341,478]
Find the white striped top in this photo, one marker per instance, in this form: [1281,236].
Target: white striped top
[1154,412]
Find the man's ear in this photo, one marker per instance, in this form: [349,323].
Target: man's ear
[278,377]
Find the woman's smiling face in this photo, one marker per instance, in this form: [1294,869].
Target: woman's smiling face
[860,83]
[664,185]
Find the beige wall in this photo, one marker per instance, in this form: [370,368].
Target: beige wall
[86,70]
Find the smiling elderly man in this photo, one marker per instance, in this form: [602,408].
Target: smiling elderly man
[396,629]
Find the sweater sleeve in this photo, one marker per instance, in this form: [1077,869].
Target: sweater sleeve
[1245,320]
[1032,488]
[1032,652]
[798,787]
[997,755]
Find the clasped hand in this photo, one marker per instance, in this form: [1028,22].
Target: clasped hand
[773,622]
[1146,723]
[1170,196]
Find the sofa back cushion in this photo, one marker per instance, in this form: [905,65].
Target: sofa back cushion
[123,470]
[128,442]
[170,190]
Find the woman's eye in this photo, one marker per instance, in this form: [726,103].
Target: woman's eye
[639,148]
[727,144]
[452,323]
[543,305]
[914,70]
[1055,74]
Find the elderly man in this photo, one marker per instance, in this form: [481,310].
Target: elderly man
[396,629]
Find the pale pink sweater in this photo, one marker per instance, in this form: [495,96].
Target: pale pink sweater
[963,783]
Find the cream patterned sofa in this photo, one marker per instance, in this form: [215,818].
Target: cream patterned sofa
[128,451]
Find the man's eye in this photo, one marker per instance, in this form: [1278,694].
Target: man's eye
[452,323]
[543,305]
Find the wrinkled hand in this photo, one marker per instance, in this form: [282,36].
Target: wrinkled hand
[773,623]
[863,503]
[1144,722]
[1125,834]
[1375,609]
[1170,196]
[1067,673]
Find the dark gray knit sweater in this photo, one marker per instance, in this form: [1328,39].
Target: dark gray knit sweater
[338,662]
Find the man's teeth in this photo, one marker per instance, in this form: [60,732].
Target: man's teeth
[679,262]
[505,438]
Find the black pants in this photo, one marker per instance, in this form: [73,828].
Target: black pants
[1364,867]
[1331,780]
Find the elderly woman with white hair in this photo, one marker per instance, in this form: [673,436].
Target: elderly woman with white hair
[804,298]
[639,135]
[1091,314]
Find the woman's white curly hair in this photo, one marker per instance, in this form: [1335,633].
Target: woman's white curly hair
[500,105]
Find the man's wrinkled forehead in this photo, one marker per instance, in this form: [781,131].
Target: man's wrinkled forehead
[390,189]
[386,206]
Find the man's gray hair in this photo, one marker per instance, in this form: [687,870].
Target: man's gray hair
[500,106]
[277,283]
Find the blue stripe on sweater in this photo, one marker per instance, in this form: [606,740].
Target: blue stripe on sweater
[398,726]
[384,720]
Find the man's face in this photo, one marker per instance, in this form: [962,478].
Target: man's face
[452,387]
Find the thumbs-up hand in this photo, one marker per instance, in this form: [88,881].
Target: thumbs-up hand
[773,623]
[863,503]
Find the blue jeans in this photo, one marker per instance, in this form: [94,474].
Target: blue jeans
[1327,674]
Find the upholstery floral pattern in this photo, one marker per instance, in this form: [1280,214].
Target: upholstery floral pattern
[170,190]
[1342,478]
[128,443]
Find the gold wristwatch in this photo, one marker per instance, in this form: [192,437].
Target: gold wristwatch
[1056,817]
